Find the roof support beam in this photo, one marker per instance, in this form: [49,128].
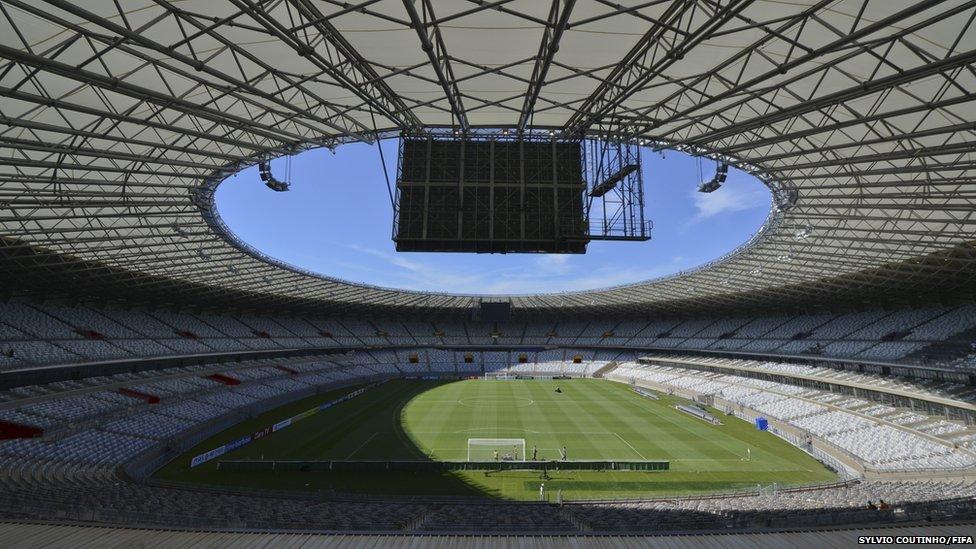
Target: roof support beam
[77,151]
[32,125]
[839,97]
[338,121]
[148,95]
[558,22]
[839,125]
[691,92]
[433,44]
[352,70]
[658,49]
[104,113]
[797,152]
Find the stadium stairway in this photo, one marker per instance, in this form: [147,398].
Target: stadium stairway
[611,366]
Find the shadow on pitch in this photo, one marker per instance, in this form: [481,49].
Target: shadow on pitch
[448,483]
[388,440]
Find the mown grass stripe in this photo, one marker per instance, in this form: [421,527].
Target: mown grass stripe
[593,418]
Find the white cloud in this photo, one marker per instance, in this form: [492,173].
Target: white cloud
[554,263]
[528,283]
[547,273]
[732,197]
[401,272]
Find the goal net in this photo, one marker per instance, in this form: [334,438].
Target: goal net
[503,375]
[496,449]
[508,376]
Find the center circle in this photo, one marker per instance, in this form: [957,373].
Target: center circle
[485,402]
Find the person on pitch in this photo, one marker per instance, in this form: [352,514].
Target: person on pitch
[535,453]
[495,454]
[515,452]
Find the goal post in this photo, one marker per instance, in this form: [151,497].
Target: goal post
[524,375]
[503,375]
[496,449]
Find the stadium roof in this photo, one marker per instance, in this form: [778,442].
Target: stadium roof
[115,114]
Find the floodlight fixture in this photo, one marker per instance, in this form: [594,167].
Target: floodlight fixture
[715,182]
[264,169]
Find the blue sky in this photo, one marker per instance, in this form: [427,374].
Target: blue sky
[337,220]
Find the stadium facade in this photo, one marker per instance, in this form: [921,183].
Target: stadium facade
[119,121]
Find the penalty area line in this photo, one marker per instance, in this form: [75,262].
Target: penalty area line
[360,447]
[630,446]
[710,459]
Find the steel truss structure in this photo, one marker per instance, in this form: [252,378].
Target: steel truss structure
[615,208]
[117,120]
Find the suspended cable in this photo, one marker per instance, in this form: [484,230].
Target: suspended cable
[386,175]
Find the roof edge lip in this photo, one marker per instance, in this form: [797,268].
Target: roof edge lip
[204,199]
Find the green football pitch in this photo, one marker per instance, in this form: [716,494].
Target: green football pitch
[593,419]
